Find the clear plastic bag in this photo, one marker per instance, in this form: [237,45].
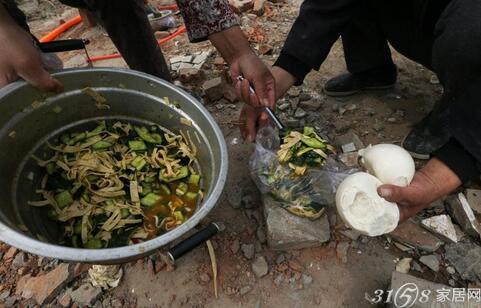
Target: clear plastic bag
[307,195]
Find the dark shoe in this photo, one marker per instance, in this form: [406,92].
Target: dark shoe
[421,142]
[383,77]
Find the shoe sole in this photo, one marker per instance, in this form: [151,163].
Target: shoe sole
[414,154]
[349,93]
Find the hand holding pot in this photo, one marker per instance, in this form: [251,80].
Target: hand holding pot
[19,58]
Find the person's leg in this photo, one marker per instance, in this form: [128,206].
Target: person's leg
[128,26]
[367,55]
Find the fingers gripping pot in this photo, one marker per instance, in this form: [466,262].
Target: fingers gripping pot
[357,200]
[28,119]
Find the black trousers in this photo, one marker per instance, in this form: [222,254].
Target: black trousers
[449,45]
[127,25]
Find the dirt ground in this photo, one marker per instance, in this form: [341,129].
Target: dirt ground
[383,116]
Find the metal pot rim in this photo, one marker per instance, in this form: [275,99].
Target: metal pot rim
[34,246]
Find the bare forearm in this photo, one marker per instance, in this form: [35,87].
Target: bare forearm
[231,43]
[284,81]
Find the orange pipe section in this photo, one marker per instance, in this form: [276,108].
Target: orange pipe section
[61,29]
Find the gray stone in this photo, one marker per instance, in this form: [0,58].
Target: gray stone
[86,294]
[204,277]
[391,120]
[349,147]
[350,159]
[260,267]
[350,137]
[248,250]
[281,258]
[310,105]
[279,279]
[261,235]
[351,107]
[234,194]
[249,201]
[294,103]
[245,289]
[441,225]
[400,284]
[404,265]
[300,113]
[201,58]
[304,96]
[430,261]
[474,199]
[415,266]
[286,231]
[185,66]
[306,280]
[294,123]
[20,260]
[410,233]
[4,295]
[235,246]
[178,59]
[466,258]
[462,213]
[284,106]
[451,270]
[214,88]
[294,92]
[341,251]
[352,234]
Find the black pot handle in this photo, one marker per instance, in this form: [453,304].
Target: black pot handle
[62,45]
[194,240]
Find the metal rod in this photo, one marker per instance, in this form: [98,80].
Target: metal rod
[268,110]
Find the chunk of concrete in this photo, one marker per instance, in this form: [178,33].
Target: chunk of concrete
[474,199]
[347,139]
[214,88]
[441,225]
[462,213]
[412,234]
[408,291]
[431,261]
[286,231]
[466,258]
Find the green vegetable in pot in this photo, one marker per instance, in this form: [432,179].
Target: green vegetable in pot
[102,192]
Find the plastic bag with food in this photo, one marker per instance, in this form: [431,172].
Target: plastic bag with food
[298,171]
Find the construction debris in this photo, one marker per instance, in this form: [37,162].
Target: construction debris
[441,225]
[462,213]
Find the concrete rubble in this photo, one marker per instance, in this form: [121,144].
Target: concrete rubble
[473,197]
[404,265]
[462,213]
[286,231]
[466,258]
[349,142]
[431,261]
[413,234]
[45,287]
[443,226]
[401,282]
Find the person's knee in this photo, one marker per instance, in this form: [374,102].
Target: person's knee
[458,52]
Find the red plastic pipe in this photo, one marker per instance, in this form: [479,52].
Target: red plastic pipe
[61,29]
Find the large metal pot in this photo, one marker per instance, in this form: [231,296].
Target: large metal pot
[28,118]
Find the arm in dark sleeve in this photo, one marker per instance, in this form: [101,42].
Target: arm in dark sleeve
[460,161]
[318,26]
